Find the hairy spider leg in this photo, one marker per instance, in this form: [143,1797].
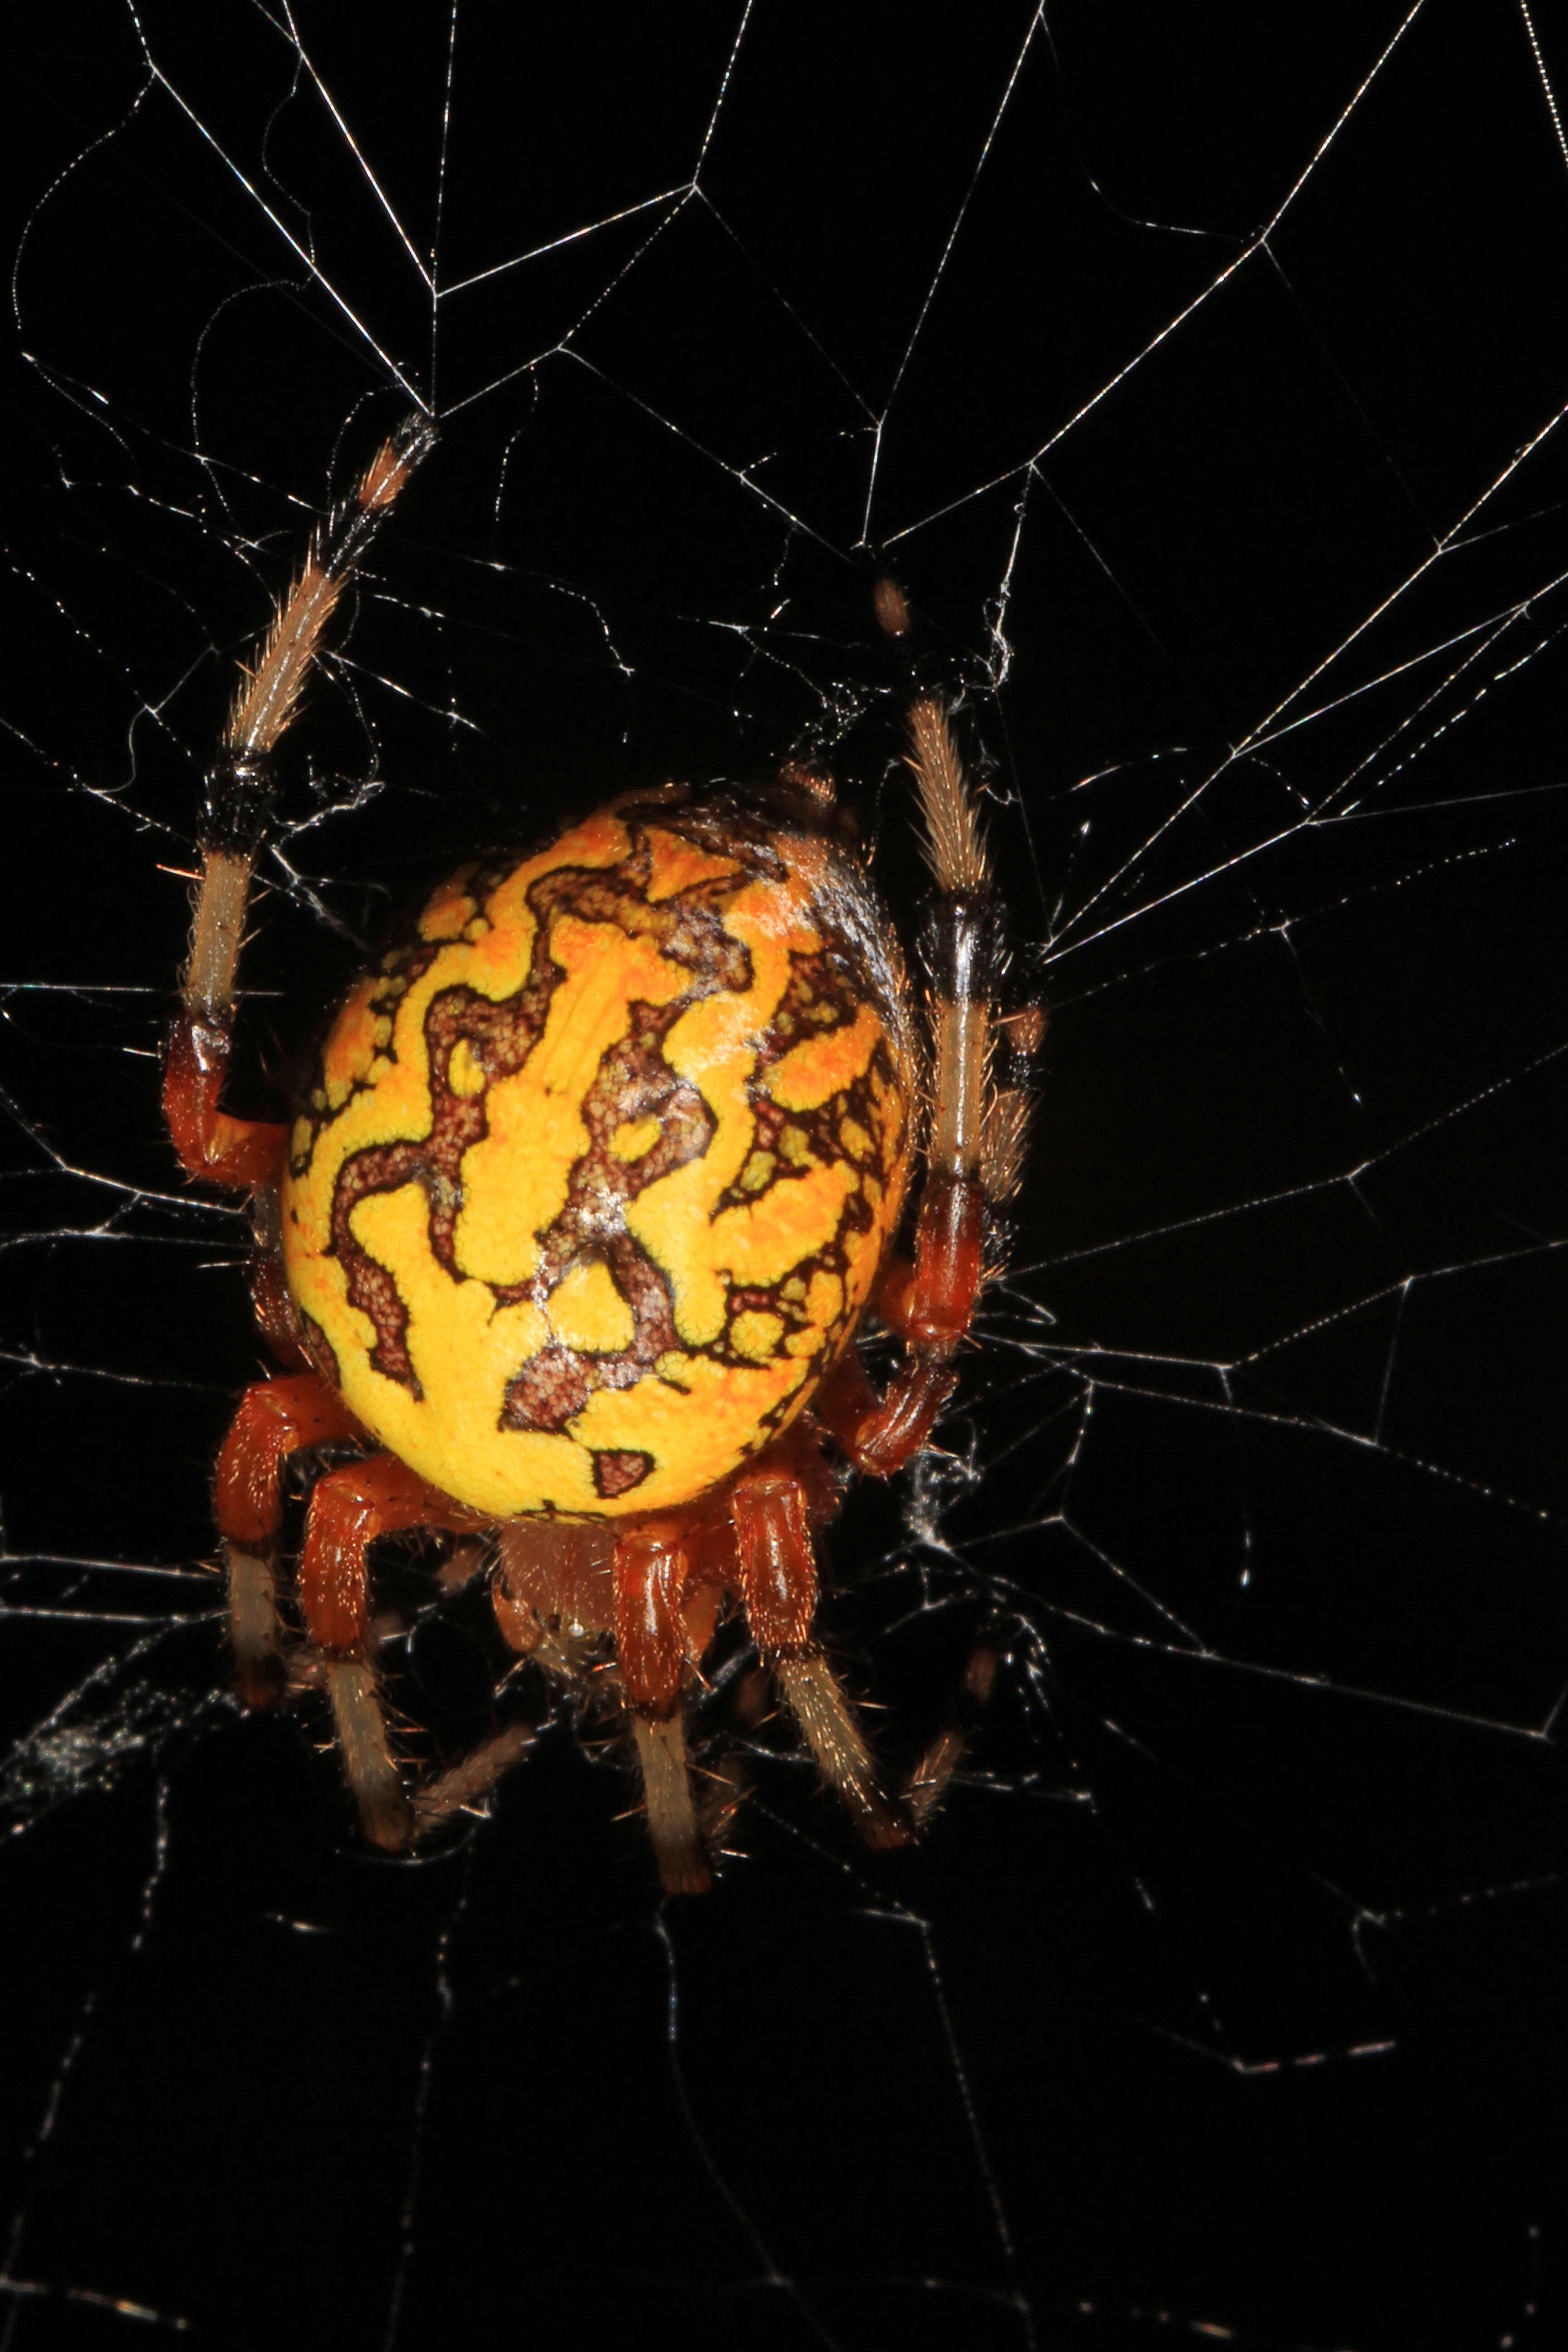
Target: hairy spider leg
[657,1586]
[777,1564]
[274,1419]
[349,1509]
[977,1129]
[671,1816]
[880,1433]
[649,1569]
[928,1782]
[240,1153]
[243,1154]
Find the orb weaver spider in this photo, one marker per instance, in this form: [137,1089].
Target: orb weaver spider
[595,1175]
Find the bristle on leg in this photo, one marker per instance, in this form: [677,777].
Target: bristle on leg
[368,1766]
[811,1692]
[672,1815]
[954,846]
[253,1626]
[1004,1140]
[465,1785]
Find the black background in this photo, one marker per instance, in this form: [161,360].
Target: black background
[1228,1990]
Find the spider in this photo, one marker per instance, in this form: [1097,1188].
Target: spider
[591,1181]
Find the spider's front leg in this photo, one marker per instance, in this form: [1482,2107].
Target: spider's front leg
[240,785]
[977,1129]
[278,1417]
[242,1153]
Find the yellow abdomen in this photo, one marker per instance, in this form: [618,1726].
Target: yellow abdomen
[595,1173]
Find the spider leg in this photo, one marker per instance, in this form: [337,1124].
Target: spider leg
[977,1129]
[927,1782]
[962,950]
[274,1419]
[650,1570]
[671,1814]
[349,1509]
[465,1785]
[212,1145]
[880,1434]
[777,1571]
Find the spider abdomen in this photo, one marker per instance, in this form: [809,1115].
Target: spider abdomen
[593,1175]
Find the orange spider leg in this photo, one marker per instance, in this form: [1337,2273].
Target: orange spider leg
[242,1152]
[936,1304]
[975,1146]
[880,1434]
[274,1419]
[650,1570]
[777,1571]
[349,1509]
[270,1301]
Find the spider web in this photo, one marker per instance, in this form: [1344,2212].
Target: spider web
[1203,381]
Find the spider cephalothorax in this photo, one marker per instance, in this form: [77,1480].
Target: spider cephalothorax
[590,1183]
